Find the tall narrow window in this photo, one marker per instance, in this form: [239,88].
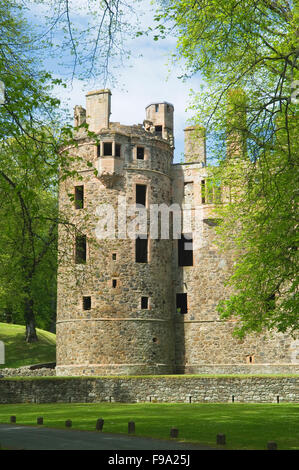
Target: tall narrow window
[107,148]
[86,303]
[79,197]
[99,150]
[141,194]
[114,283]
[158,131]
[156,108]
[144,303]
[181,303]
[117,150]
[140,153]
[80,254]
[185,250]
[141,248]
[203,192]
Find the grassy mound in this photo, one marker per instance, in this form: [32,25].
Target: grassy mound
[18,353]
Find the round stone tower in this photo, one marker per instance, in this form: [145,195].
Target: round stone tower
[115,298]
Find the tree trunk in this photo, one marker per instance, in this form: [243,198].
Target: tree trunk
[30,335]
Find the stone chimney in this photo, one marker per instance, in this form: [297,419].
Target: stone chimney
[98,109]
[195,144]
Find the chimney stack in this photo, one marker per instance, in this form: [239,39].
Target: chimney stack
[98,109]
[195,144]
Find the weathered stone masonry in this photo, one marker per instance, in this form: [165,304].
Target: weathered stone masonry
[155,390]
[118,316]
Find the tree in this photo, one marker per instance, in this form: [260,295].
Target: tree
[247,53]
[30,157]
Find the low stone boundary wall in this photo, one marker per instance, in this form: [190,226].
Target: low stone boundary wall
[27,372]
[170,389]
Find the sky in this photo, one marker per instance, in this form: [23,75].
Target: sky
[145,78]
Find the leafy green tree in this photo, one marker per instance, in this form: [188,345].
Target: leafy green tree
[30,140]
[247,54]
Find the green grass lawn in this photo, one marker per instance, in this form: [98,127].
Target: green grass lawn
[19,353]
[247,426]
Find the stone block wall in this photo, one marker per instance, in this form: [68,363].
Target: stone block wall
[162,389]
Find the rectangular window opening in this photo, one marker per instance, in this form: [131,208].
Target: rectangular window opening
[114,283]
[79,197]
[141,250]
[117,150]
[144,303]
[141,194]
[158,131]
[203,192]
[87,303]
[80,256]
[98,150]
[114,256]
[185,250]
[156,108]
[181,303]
[107,148]
[140,153]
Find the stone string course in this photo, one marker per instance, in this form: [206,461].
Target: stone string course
[183,389]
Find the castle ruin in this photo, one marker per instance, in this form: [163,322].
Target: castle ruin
[147,305]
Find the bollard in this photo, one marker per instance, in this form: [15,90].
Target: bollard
[271,445]
[40,420]
[131,427]
[13,419]
[221,440]
[99,424]
[174,433]
[68,423]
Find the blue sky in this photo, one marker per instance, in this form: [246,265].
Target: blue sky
[145,78]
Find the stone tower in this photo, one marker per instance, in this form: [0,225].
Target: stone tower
[146,305]
[115,301]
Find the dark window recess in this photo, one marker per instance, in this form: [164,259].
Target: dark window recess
[114,283]
[181,303]
[107,148]
[141,194]
[156,108]
[80,256]
[250,359]
[140,153]
[117,150]
[141,250]
[144,303]
[114,256]
[185,250]
[203,192]
[212,222]
[98,150]
[158,131]
[79,197]
[86,303]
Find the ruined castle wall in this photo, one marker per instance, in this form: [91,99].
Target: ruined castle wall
[204,343]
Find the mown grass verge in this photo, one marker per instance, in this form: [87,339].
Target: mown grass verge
[246,426]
